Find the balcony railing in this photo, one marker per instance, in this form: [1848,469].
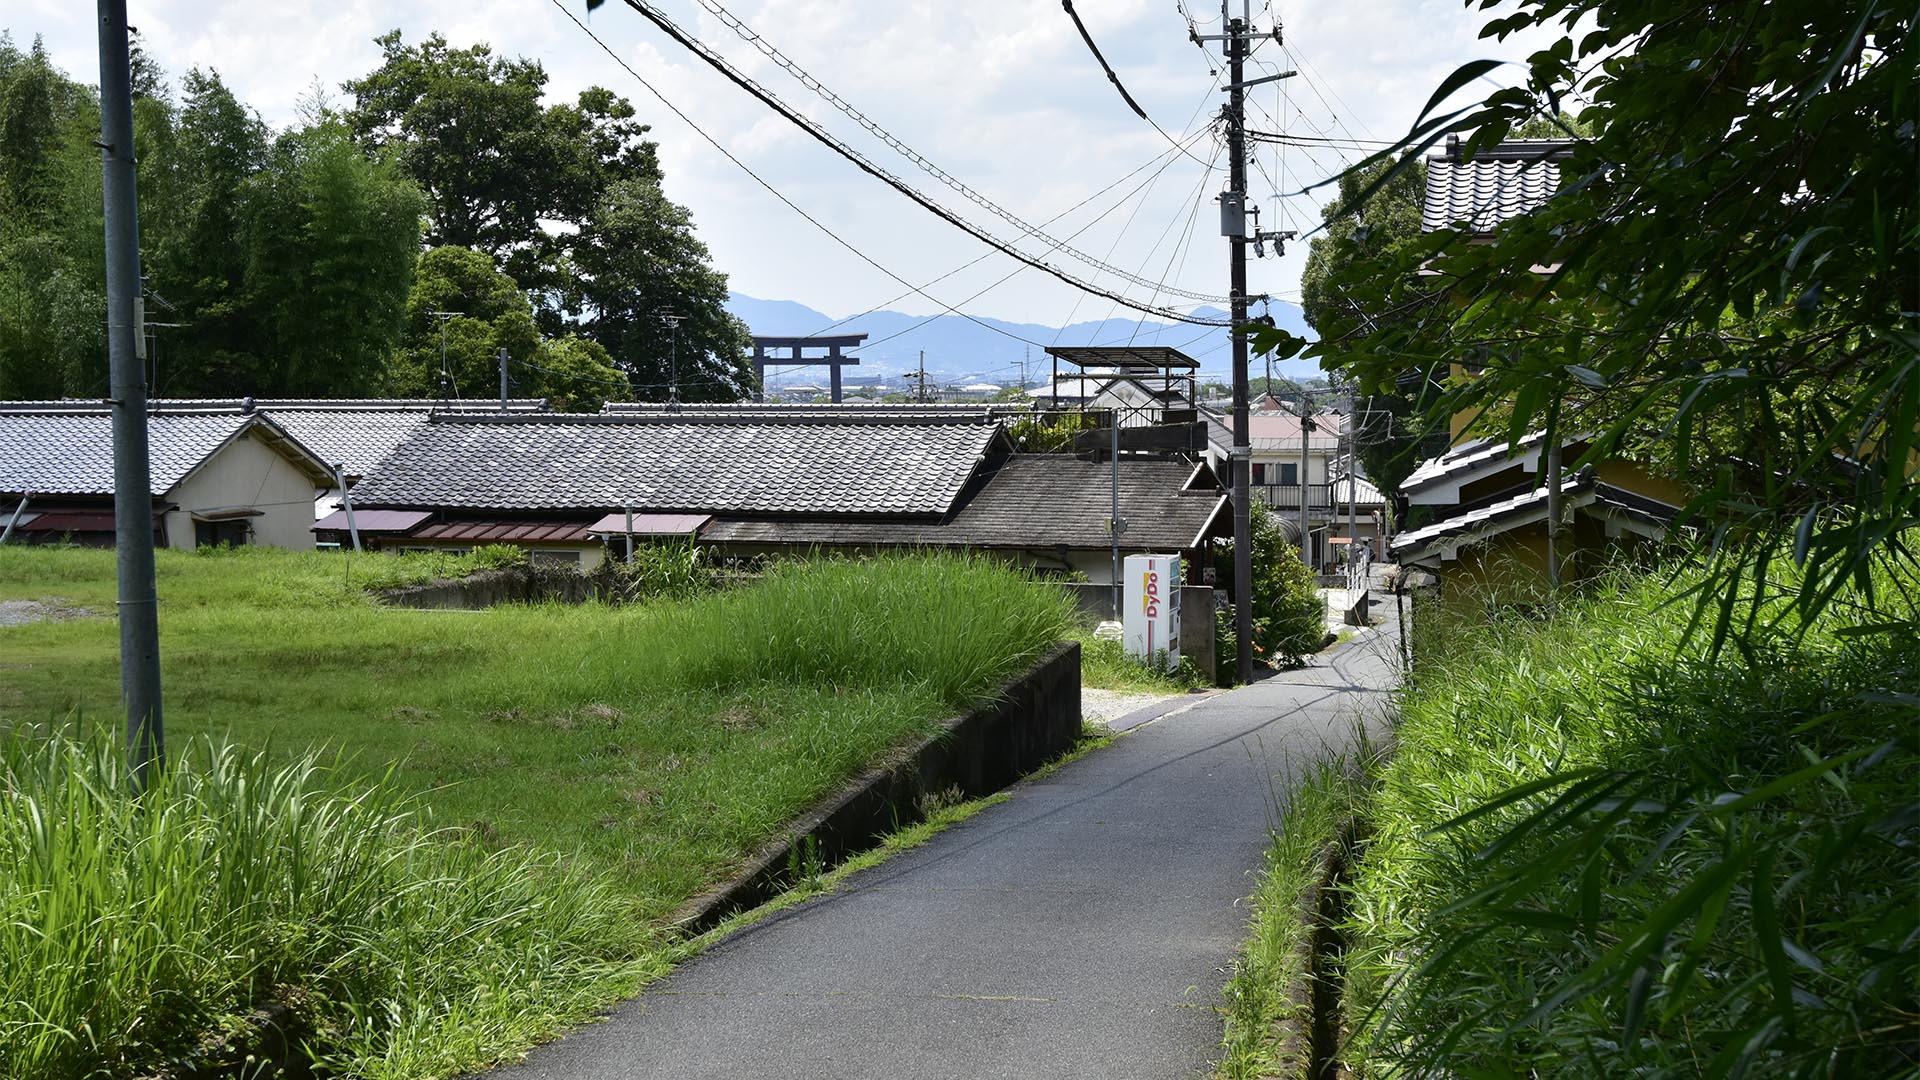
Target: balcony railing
[1288,496]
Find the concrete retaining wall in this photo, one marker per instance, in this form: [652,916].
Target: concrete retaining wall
[1034,719]
[509,585]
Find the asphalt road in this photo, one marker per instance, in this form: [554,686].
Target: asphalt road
[1082,929]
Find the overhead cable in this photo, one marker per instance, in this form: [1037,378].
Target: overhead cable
[867,165]
[804,78]
[771,190]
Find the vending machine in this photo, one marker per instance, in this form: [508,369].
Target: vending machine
[1151,621]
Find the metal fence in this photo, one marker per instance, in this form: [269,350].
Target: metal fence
[1288,496]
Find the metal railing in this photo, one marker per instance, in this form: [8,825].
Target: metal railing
[1288,496]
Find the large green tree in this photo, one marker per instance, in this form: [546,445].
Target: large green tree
[462,311]
[52,303]
[1392,429]
[635,264]
[332,236]
[496,161]
[566,198]
[1726,284]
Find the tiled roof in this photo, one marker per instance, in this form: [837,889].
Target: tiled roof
[354,433]
[1507,181]
[770,465]
[1579,490]
[71,453]
[1466,458]
[1033,501]
[860,412]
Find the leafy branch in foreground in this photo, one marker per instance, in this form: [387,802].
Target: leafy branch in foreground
[1726,285]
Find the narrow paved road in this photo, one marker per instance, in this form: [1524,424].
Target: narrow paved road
[1082,929]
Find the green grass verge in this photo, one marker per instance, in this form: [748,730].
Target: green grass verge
[1105,665]
[648,749]
[1603,849]
[1266,1010]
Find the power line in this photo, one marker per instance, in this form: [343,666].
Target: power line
[821,135]
[785,63]
[1115,78]
[1018,269]
[1157,158]
[757,178]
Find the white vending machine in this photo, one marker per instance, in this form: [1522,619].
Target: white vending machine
[1151,597]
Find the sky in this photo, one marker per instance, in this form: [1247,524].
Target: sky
[1001,94]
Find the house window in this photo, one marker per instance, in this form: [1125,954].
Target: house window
[231,533]
[1259,473]
[1290,474]
[542,555]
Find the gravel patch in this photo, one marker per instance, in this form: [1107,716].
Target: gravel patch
[22,612]
[1103,707]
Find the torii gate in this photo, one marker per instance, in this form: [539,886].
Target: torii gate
[834,359]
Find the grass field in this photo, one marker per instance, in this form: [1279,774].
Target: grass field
[644,749]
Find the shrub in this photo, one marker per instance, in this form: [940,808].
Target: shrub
[1289,617]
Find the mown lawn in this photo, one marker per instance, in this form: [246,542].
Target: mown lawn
[645,749]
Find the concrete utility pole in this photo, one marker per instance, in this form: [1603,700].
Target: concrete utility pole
[1306,429]
[1233,225]
[1353,480]
[920,397]
[132,484]
[503,378]
[1553,510]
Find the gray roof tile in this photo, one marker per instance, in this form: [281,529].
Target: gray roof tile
[768,465]
[72,453]
[1507,181]
[1027,501]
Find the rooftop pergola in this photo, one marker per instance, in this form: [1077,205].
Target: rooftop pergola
[1174,369]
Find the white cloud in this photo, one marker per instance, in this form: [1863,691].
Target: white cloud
[1002,93]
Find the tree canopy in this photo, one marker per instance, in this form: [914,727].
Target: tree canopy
[1726,282]
[284,263]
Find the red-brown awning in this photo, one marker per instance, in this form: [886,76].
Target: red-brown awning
[70,522]
[651,524]
[370,521]
[497,531]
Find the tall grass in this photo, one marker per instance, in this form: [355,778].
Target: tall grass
[1268,1011]
[131,928]
[1605,849]
[514,798]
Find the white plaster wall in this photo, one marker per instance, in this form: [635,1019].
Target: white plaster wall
[247,473]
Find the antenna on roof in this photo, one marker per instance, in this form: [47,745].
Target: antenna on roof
[673,370]
[448,388]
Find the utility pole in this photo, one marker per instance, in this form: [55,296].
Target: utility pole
[1306,428]
[1233,225]
[921,396]
[1353,482]
[139,604]
[503,378]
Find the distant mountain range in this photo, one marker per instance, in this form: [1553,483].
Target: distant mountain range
[961,350]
